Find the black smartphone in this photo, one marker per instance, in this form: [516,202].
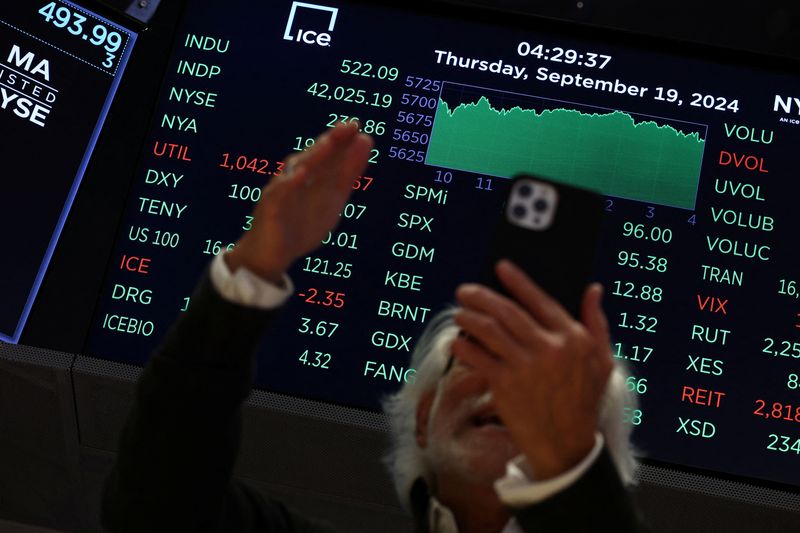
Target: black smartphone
[550,230]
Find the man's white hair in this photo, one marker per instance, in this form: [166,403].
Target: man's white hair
[406,459]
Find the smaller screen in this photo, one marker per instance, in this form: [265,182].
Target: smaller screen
[60,65]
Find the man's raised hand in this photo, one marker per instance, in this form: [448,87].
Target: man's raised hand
[547,371]
[300,206]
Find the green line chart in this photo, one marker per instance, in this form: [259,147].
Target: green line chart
[638,157]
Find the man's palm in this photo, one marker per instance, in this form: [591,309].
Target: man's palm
[299,207]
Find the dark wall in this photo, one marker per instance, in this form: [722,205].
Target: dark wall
[61,416]
[769,26]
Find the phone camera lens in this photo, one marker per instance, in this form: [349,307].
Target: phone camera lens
[519,211]
[541,205]
[525,190]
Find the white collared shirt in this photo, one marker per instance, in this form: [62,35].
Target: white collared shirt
[518,488]
[245,288]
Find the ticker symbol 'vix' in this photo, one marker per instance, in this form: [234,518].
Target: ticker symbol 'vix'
[712,304]
[295,32]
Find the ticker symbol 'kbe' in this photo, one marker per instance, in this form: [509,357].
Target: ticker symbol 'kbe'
[301,35]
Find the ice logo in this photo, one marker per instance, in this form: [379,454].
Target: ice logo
[310,36]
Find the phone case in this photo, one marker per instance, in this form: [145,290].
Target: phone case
[550,230]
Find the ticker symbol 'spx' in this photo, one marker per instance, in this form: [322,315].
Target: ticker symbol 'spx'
[310,36]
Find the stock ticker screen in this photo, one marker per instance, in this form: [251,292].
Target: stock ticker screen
[60,65]
[696,158]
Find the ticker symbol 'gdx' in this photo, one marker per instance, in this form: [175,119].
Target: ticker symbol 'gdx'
[310,36]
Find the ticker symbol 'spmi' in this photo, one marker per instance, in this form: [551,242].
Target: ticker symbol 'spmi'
[299,14]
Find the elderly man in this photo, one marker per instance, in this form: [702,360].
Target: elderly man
[511,426]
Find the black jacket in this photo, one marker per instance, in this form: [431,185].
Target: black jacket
[179,445]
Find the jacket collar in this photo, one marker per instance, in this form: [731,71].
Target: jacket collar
[420,499]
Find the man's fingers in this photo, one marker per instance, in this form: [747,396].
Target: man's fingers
[592,314]
[513,317]
[356,157]
[340,139]
[334,160]
[343,155]
[541,305]
[472,355]
[344,132]
[300,175]
[489,333]
[324,146]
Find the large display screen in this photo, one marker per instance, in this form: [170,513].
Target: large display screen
[60,65]
[696,154]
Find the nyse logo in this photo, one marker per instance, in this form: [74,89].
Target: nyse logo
[302,35]
[21,92]
[788,104]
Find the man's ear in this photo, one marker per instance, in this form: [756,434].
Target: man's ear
[423,416]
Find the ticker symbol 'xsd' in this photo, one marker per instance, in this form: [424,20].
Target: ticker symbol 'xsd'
[301,35]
